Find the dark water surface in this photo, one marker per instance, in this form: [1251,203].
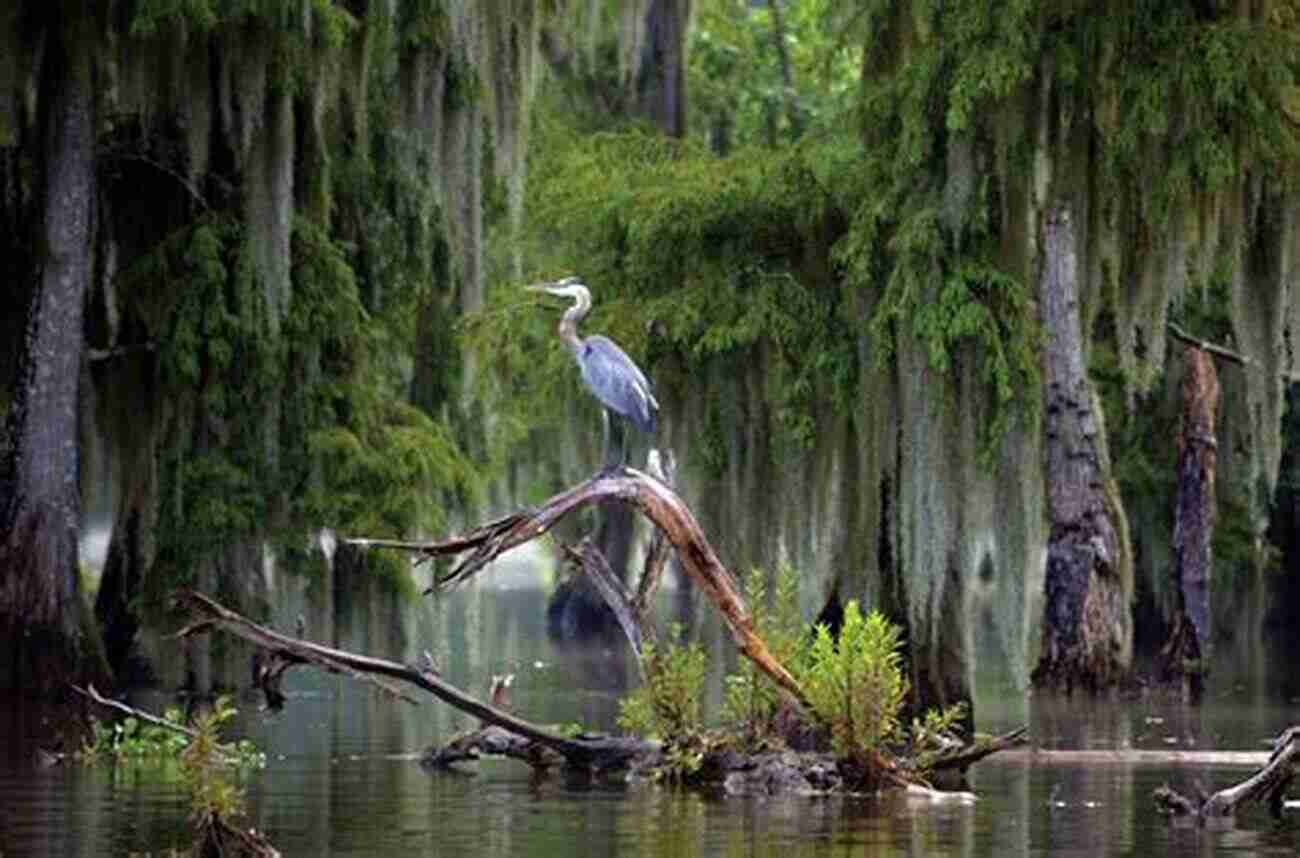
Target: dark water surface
[338,782]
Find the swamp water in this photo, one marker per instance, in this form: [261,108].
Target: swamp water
[340,779]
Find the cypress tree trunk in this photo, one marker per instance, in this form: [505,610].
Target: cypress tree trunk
[1194,522]
[663,91]
[45,635]
[1086,628]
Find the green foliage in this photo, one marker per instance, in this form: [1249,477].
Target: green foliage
[327,20]
[738,92]
[346,452]
[667,705]
[935,733]
[976,308]
[752,702]
[131,739]
[694,261]
[204,762]
[855,683]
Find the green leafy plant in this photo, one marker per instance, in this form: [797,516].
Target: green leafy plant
[935,733]
[855,683]
[667,705]
[204,764]
[131,739]
[753,705]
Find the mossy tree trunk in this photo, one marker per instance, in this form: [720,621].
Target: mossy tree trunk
[1086,631]
[45,635]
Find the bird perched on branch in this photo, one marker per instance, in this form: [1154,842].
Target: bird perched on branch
[606,369]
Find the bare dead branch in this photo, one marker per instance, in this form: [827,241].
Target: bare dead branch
[593,564]
[1222,351]
[139,714]
[1267,785]
[664,469]
[596,753]
[656,502]
[963,758]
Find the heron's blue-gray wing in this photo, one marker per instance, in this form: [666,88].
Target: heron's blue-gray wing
[617,381]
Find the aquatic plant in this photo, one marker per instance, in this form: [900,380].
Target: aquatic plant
[667,705]
[855,682]
[205,764]
[753,706]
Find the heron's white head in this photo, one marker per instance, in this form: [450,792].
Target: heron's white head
[569,287]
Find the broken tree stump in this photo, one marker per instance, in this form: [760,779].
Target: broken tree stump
[1194,511]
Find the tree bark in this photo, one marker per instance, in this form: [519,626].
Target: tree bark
[45,634]
[1087,634]
[1194,523]
[663,88]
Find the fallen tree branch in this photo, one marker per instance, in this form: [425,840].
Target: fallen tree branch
[278,652]
[1267,785]
[656,502]
[966,756]
[593,753]
[139,714]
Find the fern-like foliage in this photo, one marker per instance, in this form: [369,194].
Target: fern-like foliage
[855,683]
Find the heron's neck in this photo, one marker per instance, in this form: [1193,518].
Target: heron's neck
[569,322]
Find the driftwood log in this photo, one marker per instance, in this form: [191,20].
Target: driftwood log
[582,752]
[1267,785]
[663,508]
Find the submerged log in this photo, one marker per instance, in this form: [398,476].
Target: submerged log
[1086,627]
[652,499]
[1186,649]
[1268,785]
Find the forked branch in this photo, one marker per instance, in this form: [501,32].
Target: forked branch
[656,502]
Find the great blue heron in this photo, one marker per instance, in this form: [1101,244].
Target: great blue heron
[607,371]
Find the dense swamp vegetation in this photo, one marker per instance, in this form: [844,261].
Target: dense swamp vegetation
[913,281]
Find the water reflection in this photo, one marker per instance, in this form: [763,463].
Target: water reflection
[335,785]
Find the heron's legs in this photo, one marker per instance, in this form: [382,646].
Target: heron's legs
[614,435]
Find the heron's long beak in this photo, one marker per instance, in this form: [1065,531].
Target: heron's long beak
[549,285]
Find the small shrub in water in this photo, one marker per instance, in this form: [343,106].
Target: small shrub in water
[855,684]
[667,705]
[753,704]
